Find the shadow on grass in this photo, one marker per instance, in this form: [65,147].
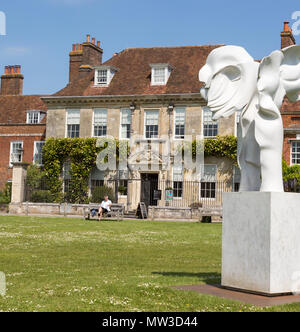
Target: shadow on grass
[206,277]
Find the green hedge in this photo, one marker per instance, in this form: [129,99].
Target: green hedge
[5,195]
[99,193]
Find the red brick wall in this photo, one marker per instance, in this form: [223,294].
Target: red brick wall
[75,63]
[290,121]
[12,85]
[287,147]
[28,146]
[88,55]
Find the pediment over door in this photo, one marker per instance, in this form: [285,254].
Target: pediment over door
[146,160]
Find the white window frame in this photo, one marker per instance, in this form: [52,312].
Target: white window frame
[67,119]
[167,72]
[147,111]
[33,113]
[206,110]
[11,161]
[121,124]
[202,180]
[35,152]
[291,152]
[104,110]
[174,128]
[110,73]
[182,180]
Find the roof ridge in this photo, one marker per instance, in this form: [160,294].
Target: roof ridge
[186,46]
[22,96]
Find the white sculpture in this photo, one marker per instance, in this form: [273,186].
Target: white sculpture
[234,82]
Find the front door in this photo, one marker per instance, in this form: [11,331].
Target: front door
[149,184]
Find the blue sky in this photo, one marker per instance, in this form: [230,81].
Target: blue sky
[40,33]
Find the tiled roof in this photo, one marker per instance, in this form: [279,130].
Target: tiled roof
[13,108]
[134,73]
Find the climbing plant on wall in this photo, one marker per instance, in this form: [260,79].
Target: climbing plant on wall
[222,146]
[82,154]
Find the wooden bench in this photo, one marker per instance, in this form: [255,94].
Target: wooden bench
[117,211]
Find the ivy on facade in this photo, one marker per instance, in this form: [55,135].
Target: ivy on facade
[82,155]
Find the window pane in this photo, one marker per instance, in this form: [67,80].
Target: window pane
[102,76]
[33,117]
[151,132]
[179,123]
[73,117]
[38,152]
[100,117]
[100,131]
[16,153]
[208,190]
[178,189]
[178,177]
[125,123]
[209,173]
[295,153]
[73,131]
[159,75]
[210,127]
[100,122]
[152,118]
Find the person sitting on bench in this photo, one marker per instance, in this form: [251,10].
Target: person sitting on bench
[104,207]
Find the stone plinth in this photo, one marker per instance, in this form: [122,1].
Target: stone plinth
[18,182]
[261,242]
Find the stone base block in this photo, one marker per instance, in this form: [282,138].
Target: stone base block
[261,242]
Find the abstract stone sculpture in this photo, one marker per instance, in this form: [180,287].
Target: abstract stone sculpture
[234,82]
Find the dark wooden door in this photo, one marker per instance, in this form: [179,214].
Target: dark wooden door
[149,184]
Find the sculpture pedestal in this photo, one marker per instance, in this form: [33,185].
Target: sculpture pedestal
[261,242]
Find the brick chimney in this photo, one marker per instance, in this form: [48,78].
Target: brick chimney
[12,81]
[84,57]
[287,38]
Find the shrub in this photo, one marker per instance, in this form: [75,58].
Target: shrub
[99,193]
[5,195]
[35,177]
[41,196]
[196,205]
[122,190]
[291,177]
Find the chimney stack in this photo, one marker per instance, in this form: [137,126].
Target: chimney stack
[84,57]
[287,38]
[12,81]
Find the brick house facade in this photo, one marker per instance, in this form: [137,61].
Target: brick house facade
[22,124]
[142,95]
[290,113]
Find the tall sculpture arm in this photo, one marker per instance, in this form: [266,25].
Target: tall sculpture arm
[279,75]
[290,72]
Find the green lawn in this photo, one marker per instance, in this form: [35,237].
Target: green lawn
[56,264]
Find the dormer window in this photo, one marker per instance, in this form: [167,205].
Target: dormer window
[160,74]
[34,117]
[104,75]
